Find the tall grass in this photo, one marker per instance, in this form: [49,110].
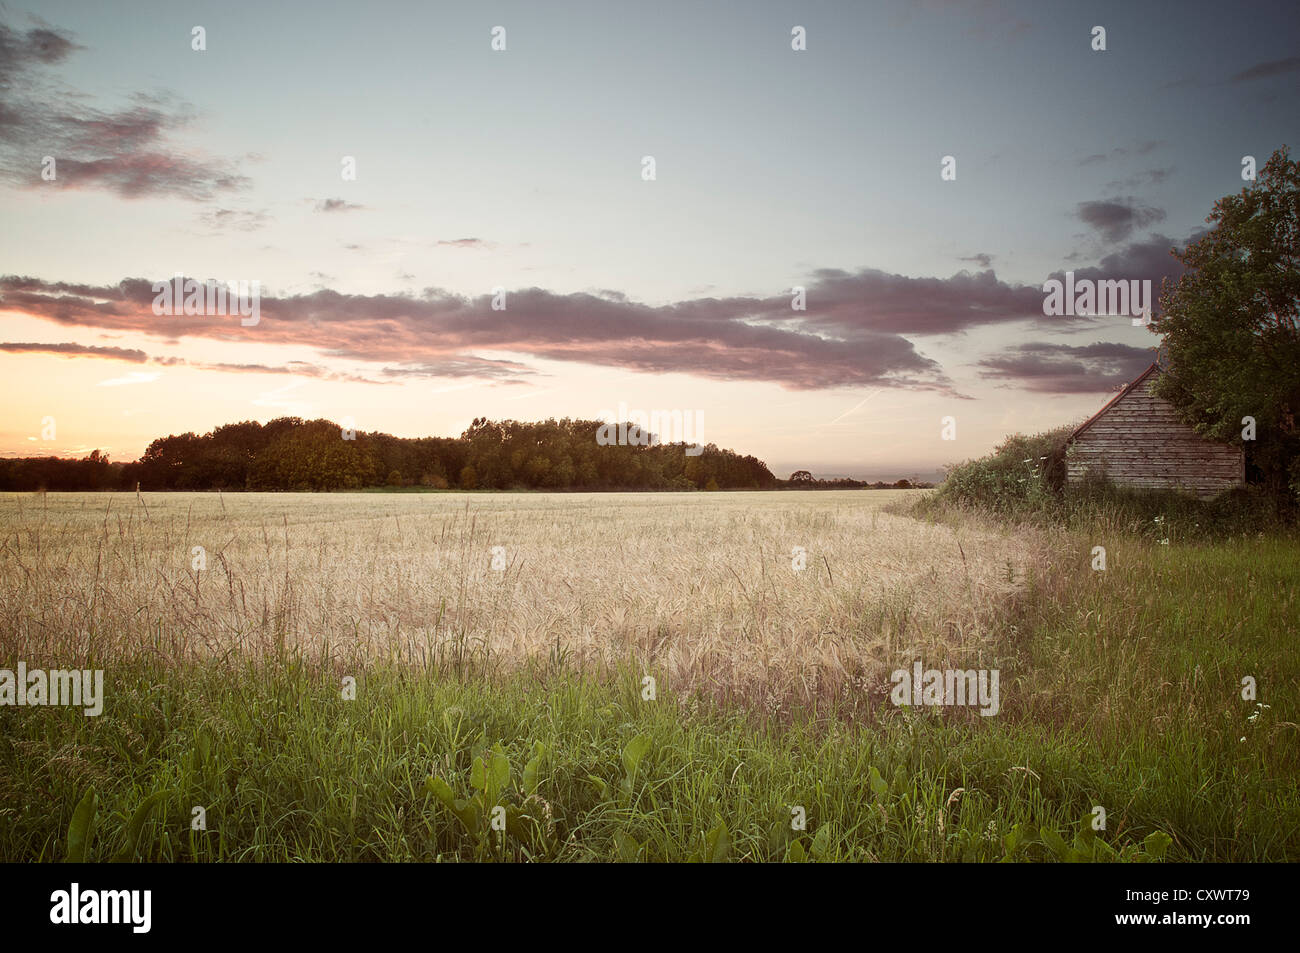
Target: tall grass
[1120,689]
[1023,481]
[705,588]
[287,770]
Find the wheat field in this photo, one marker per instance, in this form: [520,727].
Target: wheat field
[222,683]
[700,588]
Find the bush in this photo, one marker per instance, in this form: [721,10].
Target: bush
[1022,473]
[1025,478]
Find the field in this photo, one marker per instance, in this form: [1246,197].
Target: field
[701,588]
[636,676]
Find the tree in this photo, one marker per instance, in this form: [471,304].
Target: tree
[1231,325]
[290,453]
[174,462]
[312,456]
[801,476]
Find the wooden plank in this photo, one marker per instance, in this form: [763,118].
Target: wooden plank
[1140,440]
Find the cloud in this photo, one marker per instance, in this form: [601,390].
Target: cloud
[1067,369]
[504,371]
[464,243]
[75,350]
[135,356]
[126,151]
[851,334]
[857,330]
[869,301]
[39,46]
[1264,70]
[1117,219]
[337,205]
[296,368]
[983,259]
[1144,178]
[238,219]
[1144,147]
[1148,259]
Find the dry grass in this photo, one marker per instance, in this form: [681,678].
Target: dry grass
[698,588]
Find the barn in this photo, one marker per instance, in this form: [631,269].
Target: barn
[1137,440]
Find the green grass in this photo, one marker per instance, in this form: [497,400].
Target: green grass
[1120,689]
[287,770]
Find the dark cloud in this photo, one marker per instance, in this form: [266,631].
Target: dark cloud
[1116,219]
[127,151]
[135,356]
[39,46]
[856,331]
[1149,259]
[844,304]
[851,334]
[1263,70]
[1066,369]
[74,350]
[982,259]
[464,243]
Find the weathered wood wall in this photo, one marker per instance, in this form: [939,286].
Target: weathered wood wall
[1139,441]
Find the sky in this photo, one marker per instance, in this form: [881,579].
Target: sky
[524,169]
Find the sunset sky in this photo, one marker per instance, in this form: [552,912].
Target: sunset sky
[522,169]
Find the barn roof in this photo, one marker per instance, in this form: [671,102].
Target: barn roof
[1111,403]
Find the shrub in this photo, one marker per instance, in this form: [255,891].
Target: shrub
[1025,477]
[1022,473]
[435,480]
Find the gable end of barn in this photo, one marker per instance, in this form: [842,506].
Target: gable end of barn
[1137,440]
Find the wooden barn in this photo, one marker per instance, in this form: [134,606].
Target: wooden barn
[1137,440]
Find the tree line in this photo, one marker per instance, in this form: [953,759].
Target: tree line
[804,480]
[293,454]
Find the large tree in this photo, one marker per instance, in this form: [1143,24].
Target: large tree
[1231,325]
